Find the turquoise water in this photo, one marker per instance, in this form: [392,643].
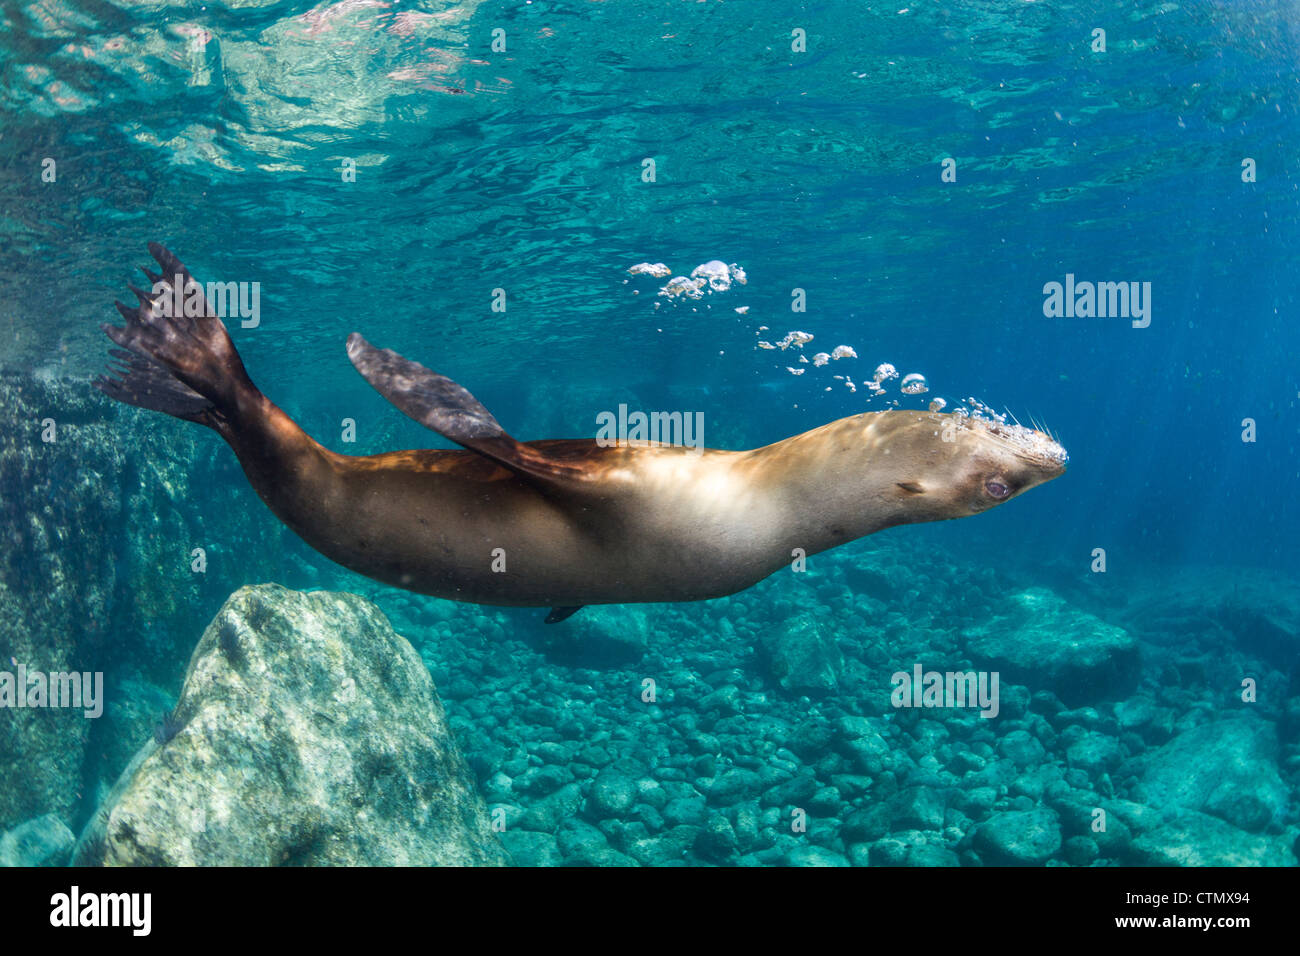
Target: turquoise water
[381,168]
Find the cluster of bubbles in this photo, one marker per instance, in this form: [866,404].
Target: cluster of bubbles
[796,339]
[913,383]
[656,269]
[716,276]
[705,279]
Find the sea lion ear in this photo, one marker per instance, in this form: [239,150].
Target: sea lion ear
[911,487]
[439,404]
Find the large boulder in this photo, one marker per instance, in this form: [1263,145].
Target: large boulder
[1043,642]
[307,732]
[1197,839]
[1227,768]
[1258,607]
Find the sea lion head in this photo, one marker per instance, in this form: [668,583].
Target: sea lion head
[969,464]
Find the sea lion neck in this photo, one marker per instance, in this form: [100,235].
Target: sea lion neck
[840,481]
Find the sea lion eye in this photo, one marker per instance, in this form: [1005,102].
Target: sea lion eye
[996,489]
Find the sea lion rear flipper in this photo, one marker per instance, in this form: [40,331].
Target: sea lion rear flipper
[439,404]
[559,614]
[175,354]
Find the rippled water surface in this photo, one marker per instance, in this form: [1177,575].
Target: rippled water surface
[223,130]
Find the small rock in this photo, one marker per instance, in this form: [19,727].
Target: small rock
[1019,837]
[814,856]
[612,794]
[800,657]
[528,848]
[546,815]
[734,785]
[1080,851]
[42,841]
[918,808]
[1022,749]
[1095,754]
[717,841]
[686,812]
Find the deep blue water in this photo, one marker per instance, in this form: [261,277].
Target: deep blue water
[818,170]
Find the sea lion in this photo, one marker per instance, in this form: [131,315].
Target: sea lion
[561,523]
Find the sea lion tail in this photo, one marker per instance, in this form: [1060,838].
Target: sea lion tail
[176,355]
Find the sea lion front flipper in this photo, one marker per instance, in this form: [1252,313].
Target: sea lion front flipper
[439,404]
[559,614]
